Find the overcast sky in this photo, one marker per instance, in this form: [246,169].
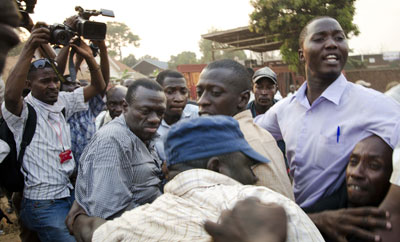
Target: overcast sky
[168,27]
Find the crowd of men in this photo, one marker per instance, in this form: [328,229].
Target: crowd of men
[137,162]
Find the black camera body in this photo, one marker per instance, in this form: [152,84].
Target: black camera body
[91,30]
[62,34]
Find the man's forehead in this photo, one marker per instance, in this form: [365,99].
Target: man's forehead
[44,73]
[144,94]
[117,95]
[323,25]
[372,145]
[265,80]
[217,76]
[174,81]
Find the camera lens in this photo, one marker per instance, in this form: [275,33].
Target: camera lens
[61,36]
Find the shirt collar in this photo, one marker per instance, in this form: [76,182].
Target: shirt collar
[47,111]
[244,115]
[333,93]
[185,115]
[196,178]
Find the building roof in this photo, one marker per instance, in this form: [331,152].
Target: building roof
[117,67]
[147,66]
[243,39]
[159,64]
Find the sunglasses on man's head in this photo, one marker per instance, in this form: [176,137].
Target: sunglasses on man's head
[42,63]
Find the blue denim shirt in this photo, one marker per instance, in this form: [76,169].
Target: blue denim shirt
[83,126]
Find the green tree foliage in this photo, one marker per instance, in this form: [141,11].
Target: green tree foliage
[130,60]
[206,47]
[286,18]
[119,35]
[185,57]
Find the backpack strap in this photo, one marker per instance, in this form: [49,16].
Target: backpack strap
[29,131]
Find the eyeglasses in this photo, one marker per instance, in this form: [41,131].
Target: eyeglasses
[42,63]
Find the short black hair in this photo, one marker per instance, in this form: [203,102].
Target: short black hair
[167,73]
[142,82]
[114,89]
[241,80]
[201,163]
[303,32]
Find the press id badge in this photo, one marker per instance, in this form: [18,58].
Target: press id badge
[65,156]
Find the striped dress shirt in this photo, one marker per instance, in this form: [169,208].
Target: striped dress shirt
[190,199]
[45,177]
[117,172]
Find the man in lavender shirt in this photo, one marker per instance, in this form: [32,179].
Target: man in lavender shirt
[325,119]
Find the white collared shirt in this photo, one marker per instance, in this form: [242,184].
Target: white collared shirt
[45,176]
[190,111]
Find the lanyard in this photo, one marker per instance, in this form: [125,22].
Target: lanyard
[59,136]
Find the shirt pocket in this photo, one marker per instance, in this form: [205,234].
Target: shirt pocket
[329,150]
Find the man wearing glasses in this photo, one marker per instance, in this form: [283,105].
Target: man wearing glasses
[48,162]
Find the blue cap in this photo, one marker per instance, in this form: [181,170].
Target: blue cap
[205,137]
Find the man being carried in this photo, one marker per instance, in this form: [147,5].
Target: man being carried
[48,162]
[209,164]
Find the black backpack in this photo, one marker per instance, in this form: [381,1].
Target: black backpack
[11,177]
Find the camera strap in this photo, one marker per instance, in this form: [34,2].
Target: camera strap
[72,70]
[54,67]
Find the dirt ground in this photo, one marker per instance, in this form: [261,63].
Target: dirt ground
[11,231]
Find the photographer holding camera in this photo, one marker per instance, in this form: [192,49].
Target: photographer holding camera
[47,163]
[82,124]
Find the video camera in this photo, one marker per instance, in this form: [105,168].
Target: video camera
[62,34]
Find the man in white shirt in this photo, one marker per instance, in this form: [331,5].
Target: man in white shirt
[47,162]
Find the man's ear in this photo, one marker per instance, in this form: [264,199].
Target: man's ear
[243,99]
[214,164]
[301,55]
[28,84]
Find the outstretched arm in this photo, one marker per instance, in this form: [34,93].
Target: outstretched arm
[97,84]
[18,76]
[104,63]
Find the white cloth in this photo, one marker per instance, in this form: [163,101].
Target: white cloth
[395,178]
[45,177]
[102,119]
[191,198]
[4,150]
